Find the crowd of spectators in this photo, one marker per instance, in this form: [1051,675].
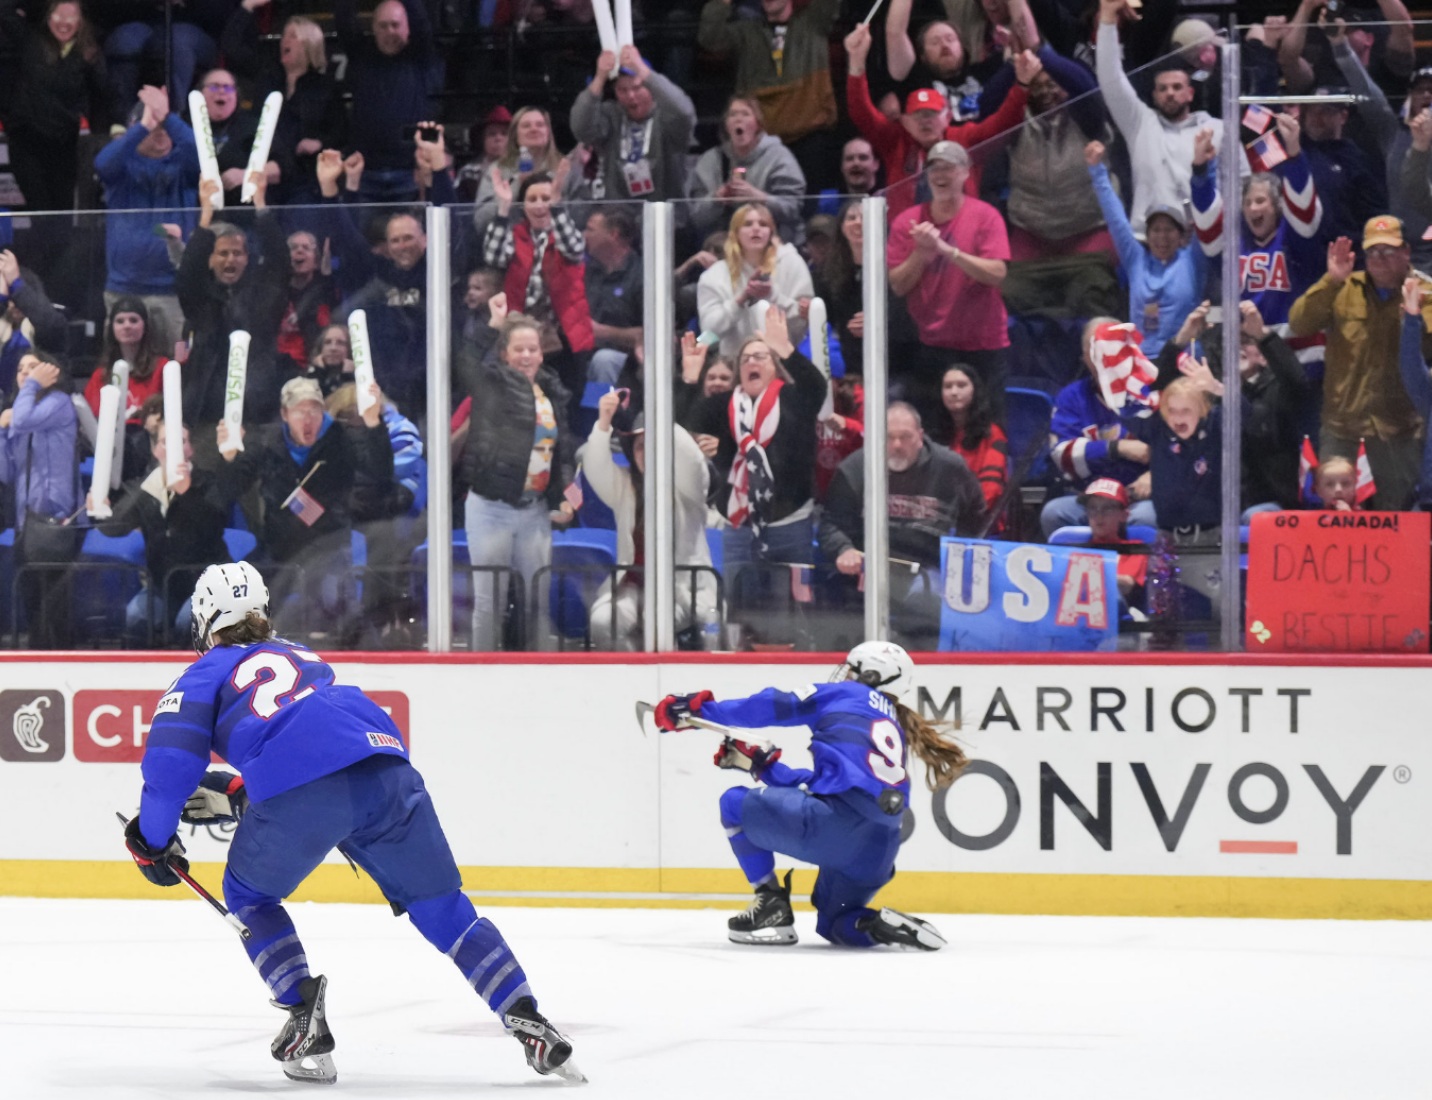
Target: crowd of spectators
[1055,224]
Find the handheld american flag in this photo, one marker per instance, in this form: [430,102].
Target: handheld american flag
[305,507]
[1266,153]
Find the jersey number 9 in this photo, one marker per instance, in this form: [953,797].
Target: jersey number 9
[886,762]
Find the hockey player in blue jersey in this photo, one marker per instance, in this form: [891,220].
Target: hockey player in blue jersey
[324,768]
[846,820]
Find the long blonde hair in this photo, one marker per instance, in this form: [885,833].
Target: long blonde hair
[943,759]
[734,259]
[543,160]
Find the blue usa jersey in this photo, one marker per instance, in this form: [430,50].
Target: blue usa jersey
[856,739]
[272,711]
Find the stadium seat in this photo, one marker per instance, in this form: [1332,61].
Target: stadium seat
[1027,416]
[1078,536]
[240,543]
[570,594]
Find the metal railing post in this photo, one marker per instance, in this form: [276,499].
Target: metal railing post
[1230,184]
[439,449]
[658,325]
[874,281]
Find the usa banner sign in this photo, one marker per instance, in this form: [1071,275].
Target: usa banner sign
[1012,596]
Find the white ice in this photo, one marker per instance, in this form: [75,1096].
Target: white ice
[129,999]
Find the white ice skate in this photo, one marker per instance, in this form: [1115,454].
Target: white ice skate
[546,1048]
[304,1046]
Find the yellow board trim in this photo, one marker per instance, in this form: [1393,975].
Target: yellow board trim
[918,891]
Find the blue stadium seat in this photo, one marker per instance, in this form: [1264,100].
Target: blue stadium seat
[571,594]
[1027,415]
[1078,536]
[240,543]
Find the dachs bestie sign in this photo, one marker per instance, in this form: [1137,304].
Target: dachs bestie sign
[1327,582]
[1015,596]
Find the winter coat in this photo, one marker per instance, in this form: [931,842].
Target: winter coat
[211,311]
[136,256]
[499,442]
[51,96]
[389,93]
[267,460]
[796,98]
[770,166]
[602,124]
[315,110]
[37,453]
[792,449]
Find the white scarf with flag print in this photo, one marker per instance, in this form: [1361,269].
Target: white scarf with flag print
[1123,371]
[754,421]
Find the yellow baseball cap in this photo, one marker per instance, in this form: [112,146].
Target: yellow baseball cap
[1383,229]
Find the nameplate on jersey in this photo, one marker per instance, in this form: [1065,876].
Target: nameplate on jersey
[169,704]
[384,741]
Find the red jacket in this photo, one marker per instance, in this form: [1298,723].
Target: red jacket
[904,157]
[140,389]
[566,285]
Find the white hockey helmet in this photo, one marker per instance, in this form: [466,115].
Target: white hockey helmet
[223,596]
[883,666]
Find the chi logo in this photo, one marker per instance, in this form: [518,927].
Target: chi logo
[29,723]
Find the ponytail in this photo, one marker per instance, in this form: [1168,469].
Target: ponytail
[943,759]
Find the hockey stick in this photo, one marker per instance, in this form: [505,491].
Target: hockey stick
[239,926]
[689,722]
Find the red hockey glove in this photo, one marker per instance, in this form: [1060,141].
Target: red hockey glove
[672,711]
[747,756]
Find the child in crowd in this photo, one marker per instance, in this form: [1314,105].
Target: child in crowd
[1335,484]
[1107,503]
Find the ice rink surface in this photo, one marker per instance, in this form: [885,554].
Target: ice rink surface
[131,999]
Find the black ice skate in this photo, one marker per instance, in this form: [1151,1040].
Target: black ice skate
[547,1049]
[768,919]
[304,1044]
[890,926]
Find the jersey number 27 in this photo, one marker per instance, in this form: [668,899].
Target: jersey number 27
[889,755]
[276,676]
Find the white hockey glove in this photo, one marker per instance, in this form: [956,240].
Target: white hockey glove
[219,800]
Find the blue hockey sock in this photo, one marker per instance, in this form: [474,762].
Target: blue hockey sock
[451,924]
[275,949]
[758,864]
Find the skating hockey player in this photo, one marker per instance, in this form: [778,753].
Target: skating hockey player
[847,820]
[325,767]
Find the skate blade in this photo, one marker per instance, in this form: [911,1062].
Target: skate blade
[780,936]
[312,1069]
[569,1072]
[917,933]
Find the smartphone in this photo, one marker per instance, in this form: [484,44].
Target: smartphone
[428,133]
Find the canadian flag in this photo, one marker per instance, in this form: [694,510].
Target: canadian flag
[1366,487]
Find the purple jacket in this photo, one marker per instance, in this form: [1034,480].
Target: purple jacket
[50,424]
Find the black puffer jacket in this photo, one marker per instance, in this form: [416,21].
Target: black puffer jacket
[499,442]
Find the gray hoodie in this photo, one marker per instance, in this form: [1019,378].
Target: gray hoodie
[770,167]
[603,125]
